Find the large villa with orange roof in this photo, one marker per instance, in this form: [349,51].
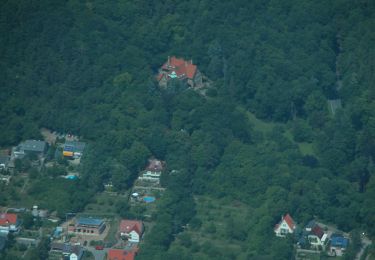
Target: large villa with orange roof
[176,68]
[285,226]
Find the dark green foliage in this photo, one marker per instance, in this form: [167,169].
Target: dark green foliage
[88,69]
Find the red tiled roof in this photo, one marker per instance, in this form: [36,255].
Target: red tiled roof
[288,219]
[119,254]
[317,231]
[8,219]
[181,67]
[127,226]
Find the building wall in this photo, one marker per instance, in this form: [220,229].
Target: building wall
[84,230]
[134,237]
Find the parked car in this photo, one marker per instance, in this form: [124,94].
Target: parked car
[99,247]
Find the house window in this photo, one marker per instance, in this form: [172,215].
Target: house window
[284,231]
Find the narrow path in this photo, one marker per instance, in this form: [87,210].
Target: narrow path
[365,243]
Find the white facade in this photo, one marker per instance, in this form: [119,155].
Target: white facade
[133,236]
[315,241]
[283,229]
[7,229]
[73,257]
[151,176]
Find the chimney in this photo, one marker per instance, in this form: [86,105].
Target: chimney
[191,61]
[169,60]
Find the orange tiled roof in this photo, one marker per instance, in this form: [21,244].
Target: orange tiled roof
[181,67]
[8,219]
[128,226]
[119,254]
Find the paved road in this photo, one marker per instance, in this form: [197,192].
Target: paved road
[365,243]
[98,254]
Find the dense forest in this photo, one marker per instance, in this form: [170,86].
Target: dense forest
[88,68]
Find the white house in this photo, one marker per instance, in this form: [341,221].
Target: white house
[9,223]
[132,230]
[316,236]
[285,226]
[153,171]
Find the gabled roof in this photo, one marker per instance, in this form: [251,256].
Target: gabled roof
[119,254]
[8,219]
[127,226]
[288,220]
[317,231]
[33,146]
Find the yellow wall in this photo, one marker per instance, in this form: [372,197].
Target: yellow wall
[67,153]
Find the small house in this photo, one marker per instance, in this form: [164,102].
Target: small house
[285,226]
[131,230]
[9,222]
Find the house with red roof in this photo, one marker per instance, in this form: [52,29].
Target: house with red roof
[119,254]
[131,230]
[9,223]
[285,226]
[177,68]
[316,236]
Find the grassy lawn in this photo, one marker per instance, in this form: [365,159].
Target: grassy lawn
[260,125]
[111,237]
[308,256]
[213,232]
[103,204]
[306,148]
[264,127]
